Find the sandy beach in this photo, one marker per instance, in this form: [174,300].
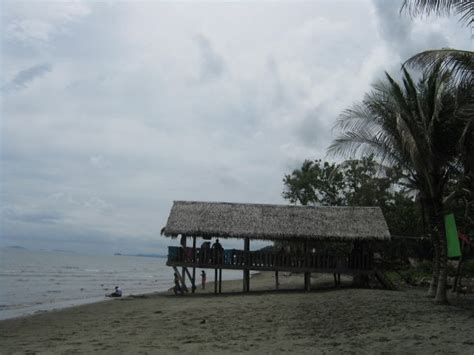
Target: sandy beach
[325,320]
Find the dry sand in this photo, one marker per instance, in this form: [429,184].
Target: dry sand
[324,320]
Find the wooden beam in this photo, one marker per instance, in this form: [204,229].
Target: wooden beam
[183,284]
[215,280]
[183,244]
[246,269]
[341,270]
[307,275]
[220,280]
[307,281]
[192,279]
[194,262]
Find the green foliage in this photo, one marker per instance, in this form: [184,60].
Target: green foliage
[315,183]
[356,183]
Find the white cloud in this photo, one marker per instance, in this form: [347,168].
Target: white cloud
[155,101]
[39,20]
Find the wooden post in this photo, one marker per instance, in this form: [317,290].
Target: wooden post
[215,280]
[193,281]
[194,264]
[220,280]
[307,275]
[183,244]
[307,281]
[247,260]
[277,284]
[183,285]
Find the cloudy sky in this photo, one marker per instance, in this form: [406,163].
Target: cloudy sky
[111,110]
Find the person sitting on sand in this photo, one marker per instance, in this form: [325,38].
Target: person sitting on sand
[203,279]
[116,293]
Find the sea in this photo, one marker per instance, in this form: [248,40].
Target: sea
[40,281]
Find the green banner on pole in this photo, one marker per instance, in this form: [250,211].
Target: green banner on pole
[454,249]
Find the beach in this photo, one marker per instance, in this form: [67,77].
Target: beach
[325,320]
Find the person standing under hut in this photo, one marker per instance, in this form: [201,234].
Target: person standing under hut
[204,253]
[217,252]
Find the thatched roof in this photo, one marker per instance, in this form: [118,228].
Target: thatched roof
[274,222]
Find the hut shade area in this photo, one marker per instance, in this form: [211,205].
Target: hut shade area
[275,222]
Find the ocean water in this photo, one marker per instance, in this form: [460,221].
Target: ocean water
[38,281]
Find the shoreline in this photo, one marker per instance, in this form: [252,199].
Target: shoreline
[32,310]
[326,319]
[67,304]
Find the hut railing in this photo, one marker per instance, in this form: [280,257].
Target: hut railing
[233,258]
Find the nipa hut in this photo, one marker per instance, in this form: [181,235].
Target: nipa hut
[300,231]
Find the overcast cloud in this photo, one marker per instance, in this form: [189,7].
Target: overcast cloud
[112,110]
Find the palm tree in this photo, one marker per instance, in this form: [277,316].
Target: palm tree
[459,62]
[416,127]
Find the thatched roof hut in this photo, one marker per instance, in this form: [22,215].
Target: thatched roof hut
[275,222]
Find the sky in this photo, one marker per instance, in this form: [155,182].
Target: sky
[111,110]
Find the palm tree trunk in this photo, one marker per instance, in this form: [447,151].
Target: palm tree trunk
[441,296]
[433,221]
[435,273]
[440,259]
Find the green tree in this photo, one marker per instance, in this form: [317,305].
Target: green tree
[315,183]
[415,127]
[356,183]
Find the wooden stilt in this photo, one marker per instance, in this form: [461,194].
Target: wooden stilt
[307,275]
[277,284]
[193,281]
[194,262]
[307,281]
[247,261]
[183,284]
[220,280]
[246,280]
[183,244]
[215,280]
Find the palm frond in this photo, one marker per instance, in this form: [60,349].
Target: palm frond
[463,8]
[459,62]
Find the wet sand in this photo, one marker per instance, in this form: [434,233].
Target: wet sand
[264,321]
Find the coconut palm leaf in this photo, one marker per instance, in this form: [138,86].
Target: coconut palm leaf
[459,62]
[463,8]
